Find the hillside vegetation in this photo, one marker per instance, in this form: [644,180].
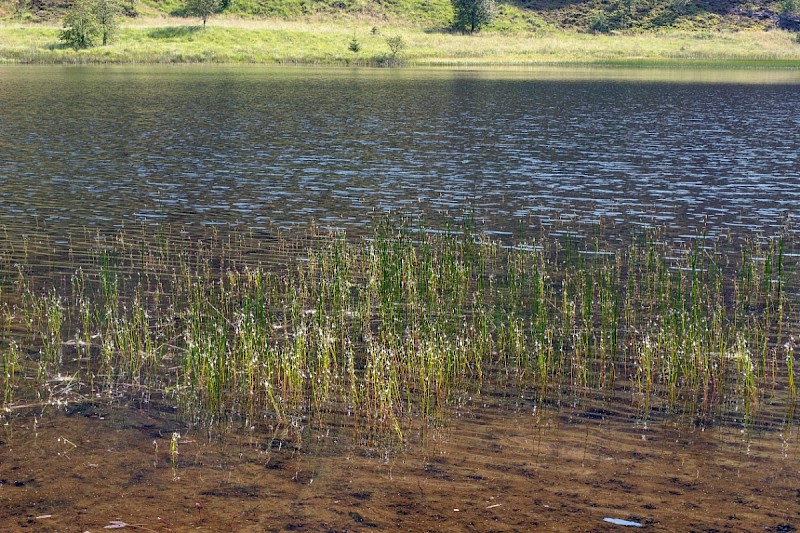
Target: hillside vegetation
[513,15]
[360,32]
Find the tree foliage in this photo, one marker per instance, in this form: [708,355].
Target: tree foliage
[80,26]
[354,46]
[90,21]
[107,13]
[396,46]
[203,8]
[472,15]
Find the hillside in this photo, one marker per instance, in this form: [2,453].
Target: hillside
[513,15]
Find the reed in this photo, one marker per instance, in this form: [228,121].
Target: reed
[11,357]
[394,326]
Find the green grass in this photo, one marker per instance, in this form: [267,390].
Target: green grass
[309,42]
[397,326]
[437,14]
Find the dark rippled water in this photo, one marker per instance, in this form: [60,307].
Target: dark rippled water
[101,146]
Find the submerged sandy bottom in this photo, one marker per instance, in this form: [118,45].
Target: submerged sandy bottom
[488,469]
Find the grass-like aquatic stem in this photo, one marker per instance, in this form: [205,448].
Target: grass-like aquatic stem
[399,324]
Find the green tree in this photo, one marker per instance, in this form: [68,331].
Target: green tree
[203,8]
[354,46]
[88,21]
[472,15]
[81,29]
[107,13]
[396,46]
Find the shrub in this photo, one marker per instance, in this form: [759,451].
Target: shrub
[81,28]
[88,21]
[396,45]
[599,23]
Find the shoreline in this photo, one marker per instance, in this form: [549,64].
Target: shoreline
[278,42]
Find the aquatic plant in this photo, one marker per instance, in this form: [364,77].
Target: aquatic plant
[393,326]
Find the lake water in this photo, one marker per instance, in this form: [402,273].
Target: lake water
[279,148]
[93,146]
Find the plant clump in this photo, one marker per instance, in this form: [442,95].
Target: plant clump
[90,21]
[397,326]
[396,45]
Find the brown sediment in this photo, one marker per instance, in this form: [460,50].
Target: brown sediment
[494,471]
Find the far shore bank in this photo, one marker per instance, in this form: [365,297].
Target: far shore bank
[240,41]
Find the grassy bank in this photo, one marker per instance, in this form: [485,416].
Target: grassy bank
[179,40]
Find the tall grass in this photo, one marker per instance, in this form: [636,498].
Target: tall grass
[393,326]
[326,42]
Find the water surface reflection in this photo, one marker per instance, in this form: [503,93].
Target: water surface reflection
[255,147]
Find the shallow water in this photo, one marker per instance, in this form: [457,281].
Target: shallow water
[266,149]
[95,146]
[490,469]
